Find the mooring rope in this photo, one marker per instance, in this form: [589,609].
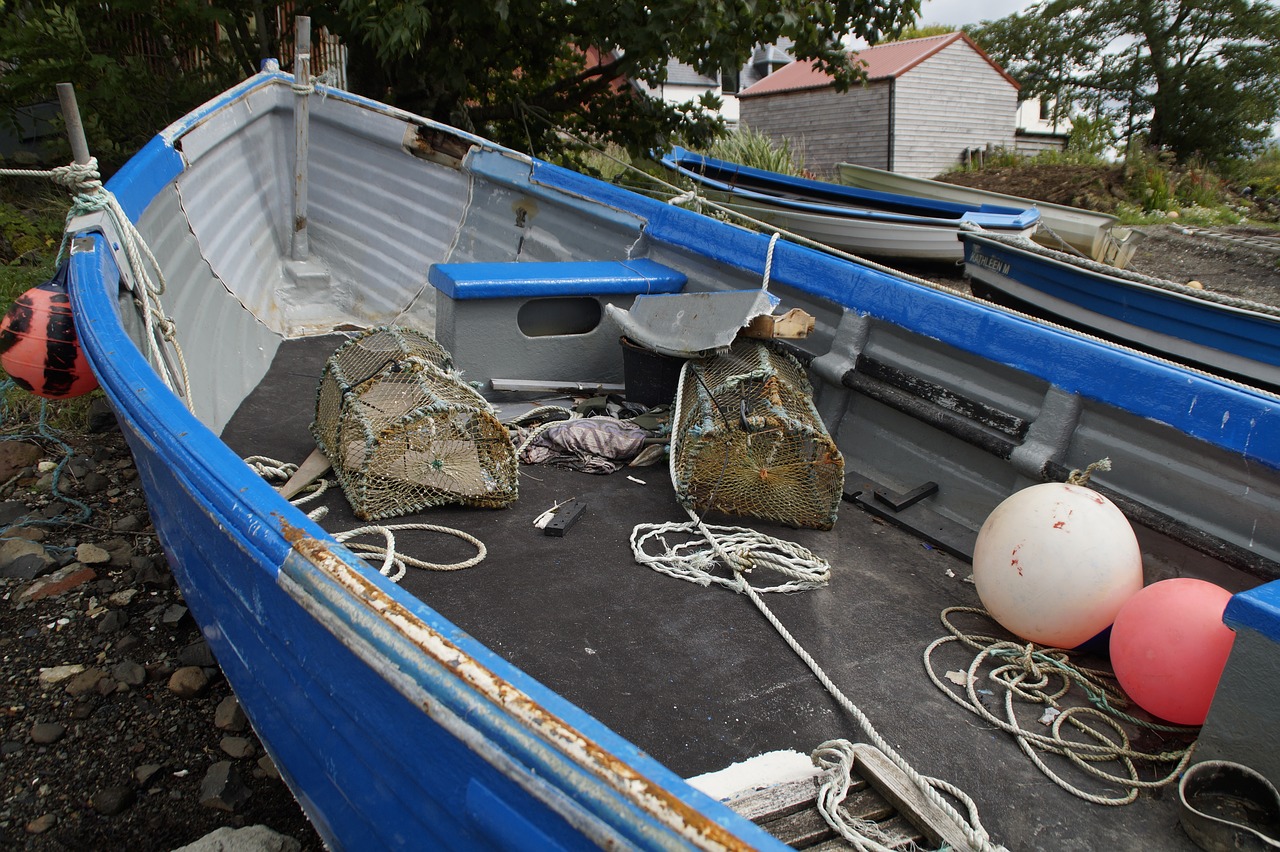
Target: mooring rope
[754,549]
[91,197]
[1043,676]
[45,432]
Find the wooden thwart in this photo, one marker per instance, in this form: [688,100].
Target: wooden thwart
[880,793]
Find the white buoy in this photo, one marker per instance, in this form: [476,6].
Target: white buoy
[1054,563]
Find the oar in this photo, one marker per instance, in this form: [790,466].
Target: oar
[309,471]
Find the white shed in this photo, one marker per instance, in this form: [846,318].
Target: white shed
[926,101]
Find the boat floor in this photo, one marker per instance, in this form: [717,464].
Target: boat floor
[696,676]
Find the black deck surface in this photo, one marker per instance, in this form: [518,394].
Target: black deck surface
[696,676]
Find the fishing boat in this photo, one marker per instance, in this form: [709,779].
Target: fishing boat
[552,689]
[1089,232]
[861,221]
[1211,330]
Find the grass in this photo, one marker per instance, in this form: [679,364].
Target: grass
[32,214]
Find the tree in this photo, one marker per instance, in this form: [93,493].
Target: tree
[520,71]
[1197,77]
[136,65]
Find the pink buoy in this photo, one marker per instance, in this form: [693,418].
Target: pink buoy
[1169,647]
[1054,563]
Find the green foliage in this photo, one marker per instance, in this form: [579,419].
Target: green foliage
[31,221]
[136,65]
[1161,189]
[1261,176]
[922,31]
[1194,77]
[519,71]
[32,214]
[749,148]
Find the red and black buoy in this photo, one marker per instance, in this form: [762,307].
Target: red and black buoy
[38,344]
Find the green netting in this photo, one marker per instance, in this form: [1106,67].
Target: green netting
[747,440]
[404,432]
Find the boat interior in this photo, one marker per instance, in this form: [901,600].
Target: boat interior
[694,675]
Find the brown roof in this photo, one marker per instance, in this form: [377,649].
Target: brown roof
[883,62]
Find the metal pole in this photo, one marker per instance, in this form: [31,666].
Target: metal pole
[300,247]
[75,129]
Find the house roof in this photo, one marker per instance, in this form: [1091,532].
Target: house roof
[883,62]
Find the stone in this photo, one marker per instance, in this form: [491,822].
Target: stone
[188,682]
[237,747]
[16,456]
[94,483]
[121,552]
[112,621]
[91,554]
[129,523]
[146,774]
[123,597]
[101,418]
[85,682]
[59,582]
[42,823]
[197,654]
[129,672]
[47,733]
[55,675]
[111,801]
[28,567]
[12,510]
[268,767]
[223,787]
[253,838]
[174,614]
[229,716]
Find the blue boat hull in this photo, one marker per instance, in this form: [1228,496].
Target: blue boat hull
[1174,322]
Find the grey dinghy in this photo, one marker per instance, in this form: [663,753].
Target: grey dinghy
[558,694]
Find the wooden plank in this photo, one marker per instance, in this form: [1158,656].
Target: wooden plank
[894,784]
[552,386]
[309,471]
[880,793]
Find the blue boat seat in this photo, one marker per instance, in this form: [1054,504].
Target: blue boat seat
[545,320]
[641,276]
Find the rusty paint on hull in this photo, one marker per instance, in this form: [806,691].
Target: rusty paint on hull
[649,797]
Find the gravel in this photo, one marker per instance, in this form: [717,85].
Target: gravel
[119,731]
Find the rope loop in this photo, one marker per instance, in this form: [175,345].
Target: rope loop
[1045,677]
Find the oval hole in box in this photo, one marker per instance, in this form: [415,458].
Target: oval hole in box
[552,317]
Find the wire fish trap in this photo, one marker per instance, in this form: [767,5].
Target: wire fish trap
[747,440]
[404,432]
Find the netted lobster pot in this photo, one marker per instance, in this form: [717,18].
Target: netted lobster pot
[747,440]
[404,432]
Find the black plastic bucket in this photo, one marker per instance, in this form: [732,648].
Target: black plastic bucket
[651,378]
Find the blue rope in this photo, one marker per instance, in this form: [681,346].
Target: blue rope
[47,433]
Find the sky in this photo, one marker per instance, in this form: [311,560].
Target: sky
[960,12]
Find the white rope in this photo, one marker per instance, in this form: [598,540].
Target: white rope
[768,260]
[390,558]
[276,471]
[92,196]
[837,757]
[1028,672]
[695,567]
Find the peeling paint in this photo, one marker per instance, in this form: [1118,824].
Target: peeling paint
[653,799]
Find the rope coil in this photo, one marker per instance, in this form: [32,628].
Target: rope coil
[1045,676]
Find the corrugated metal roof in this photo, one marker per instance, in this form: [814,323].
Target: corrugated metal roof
[883,62]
